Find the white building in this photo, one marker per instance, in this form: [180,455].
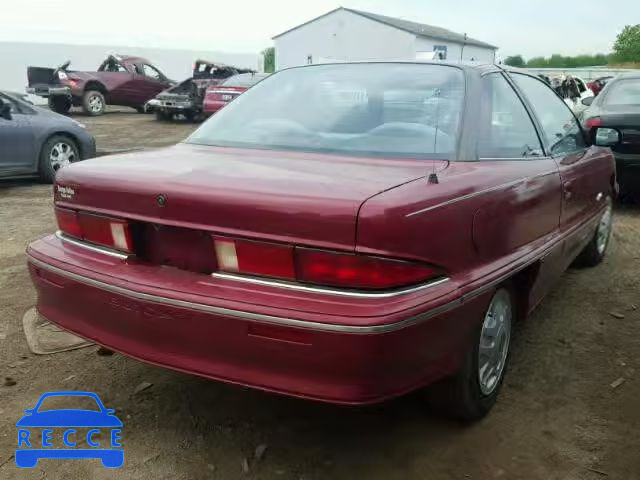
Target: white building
[345,34]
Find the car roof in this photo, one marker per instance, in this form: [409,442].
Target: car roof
[130,59]
[628,75]
[478,67]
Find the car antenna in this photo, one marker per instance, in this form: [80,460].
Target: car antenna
[433,177]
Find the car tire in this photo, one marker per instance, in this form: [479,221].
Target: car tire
[471,393]
[163,117]
[596,249]
[60,104]
[93,103]
[57,152]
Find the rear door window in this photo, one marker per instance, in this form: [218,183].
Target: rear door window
[561,130]
[151,72]
[507,129]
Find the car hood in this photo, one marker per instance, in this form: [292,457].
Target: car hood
[287,196]
[69,418]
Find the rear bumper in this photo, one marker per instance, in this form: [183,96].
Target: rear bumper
[212,106]
[343,360]
[48,90]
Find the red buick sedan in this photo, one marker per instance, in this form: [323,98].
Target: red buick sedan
[346,233]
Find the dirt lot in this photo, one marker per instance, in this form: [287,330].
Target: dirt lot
[557,418]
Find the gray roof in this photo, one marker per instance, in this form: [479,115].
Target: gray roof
[420,29]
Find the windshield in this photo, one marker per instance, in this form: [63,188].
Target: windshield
[406,110]
[623,92]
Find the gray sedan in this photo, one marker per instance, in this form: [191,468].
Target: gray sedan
[37,142]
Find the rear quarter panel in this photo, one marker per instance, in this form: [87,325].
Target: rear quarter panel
[479,218]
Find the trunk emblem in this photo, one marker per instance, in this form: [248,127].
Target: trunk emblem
[162,200]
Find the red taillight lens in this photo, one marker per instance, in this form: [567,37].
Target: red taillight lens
[254,258]
[319,267]
[106,231]
[593,122]
[68,222]
[358,271]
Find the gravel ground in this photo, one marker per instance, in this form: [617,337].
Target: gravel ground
[558,416]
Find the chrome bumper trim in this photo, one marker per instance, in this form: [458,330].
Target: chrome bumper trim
[329,290]
[256,317]
[93,248]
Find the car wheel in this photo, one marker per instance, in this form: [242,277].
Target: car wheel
[163,117]
[93,103]
[596,249]
[471,393]
[60,104]
[57,152]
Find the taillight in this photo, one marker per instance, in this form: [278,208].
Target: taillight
[593,122]
[254,258]
[106,231]
[358,271]
[68,222]
[318,267]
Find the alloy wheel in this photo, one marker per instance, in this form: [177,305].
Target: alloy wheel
[494,342]
[604,229]
[61,155]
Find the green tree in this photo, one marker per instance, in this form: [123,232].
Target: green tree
[627,46]
[515,61]
[269,55]
[537,62]
[556,61]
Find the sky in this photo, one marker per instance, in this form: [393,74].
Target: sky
[530,28]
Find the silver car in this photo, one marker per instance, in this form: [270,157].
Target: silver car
[37,142]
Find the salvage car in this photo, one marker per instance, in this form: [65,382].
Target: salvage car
[120,80]
[618,107]
[218,96]
[187,97]
[340,232]
[598,84]
[37,142]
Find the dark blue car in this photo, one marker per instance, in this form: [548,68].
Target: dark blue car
[29,452]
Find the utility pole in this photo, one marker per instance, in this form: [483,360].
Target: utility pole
[463,45]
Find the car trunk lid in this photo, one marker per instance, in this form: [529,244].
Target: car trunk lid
[178,196]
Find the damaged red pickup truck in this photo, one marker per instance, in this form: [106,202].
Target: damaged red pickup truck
[120,80]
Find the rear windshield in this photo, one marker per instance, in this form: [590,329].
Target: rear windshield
[403,110]
[623,92]
[243,80]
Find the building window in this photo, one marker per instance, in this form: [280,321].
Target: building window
[440,52]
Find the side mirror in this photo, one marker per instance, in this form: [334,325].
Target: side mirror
[588,101]
[5,110]
[606,137]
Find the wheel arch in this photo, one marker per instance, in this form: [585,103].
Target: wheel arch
[61,133]
[96,85]
[521,285]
